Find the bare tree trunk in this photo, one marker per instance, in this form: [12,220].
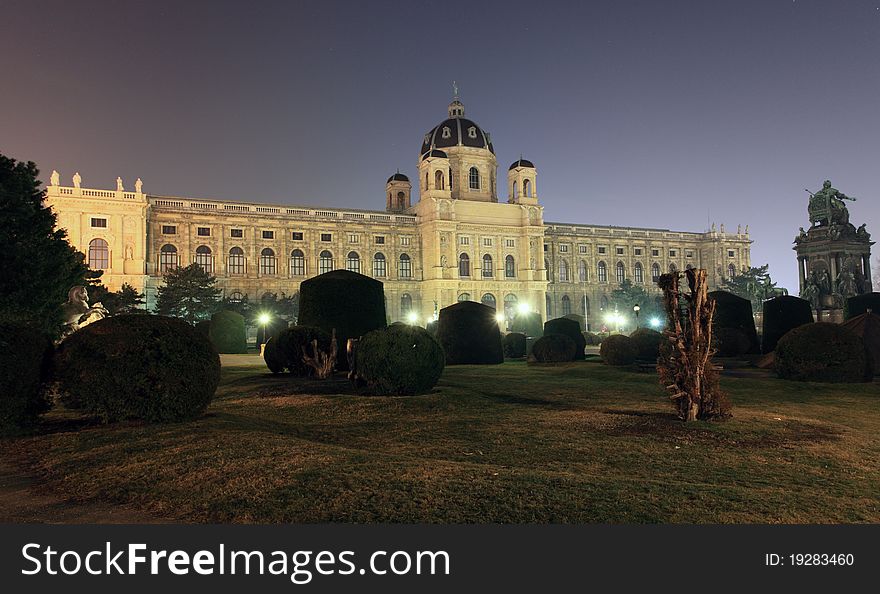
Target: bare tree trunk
[323,363]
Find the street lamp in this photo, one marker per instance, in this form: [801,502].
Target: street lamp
[412,317]
[655,323]
[263,320]
[636,309]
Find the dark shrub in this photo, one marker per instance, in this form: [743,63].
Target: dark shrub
[227,332]
[782,314]
[822,352]
[582,323]
[469,334]
[732,311]
[647,343]
[290,343]
[350,303]
[24,352]
[272,355]
[204,328]
[554,348]
[592,339]
[528,324]
[618,349]
[514,345]
[138,367]
[856,306]
[571,329]
[400,360]
[730,342]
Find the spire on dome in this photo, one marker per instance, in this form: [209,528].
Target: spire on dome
[456,108]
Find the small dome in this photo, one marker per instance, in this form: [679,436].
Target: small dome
[435,153]
[456,131]
[398,177]
[521,163]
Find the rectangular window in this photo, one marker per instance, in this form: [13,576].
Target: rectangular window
[619,251]
[487,242]
[638,251]
[268,235]
[655,253]
[510,243]
[731,253]
[405,240]
[380,240]
[672,253]
[203,231]
[353,238]
[602,249]
[99,223]
[464,240]
[546,248]
[236,233]
[689,253]
[582,249]
[169,229]
[563,248]
[296,236]
[326,237]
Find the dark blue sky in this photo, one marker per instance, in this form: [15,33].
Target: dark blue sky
[645,113]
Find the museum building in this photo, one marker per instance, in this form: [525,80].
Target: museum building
[456,242]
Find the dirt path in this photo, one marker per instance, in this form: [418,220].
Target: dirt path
[20,504]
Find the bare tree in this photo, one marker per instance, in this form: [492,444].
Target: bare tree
[323,363]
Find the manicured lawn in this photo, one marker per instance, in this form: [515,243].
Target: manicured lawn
[508,443]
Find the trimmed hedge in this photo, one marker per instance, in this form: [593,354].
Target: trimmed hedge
[289,345]
[856,306]
[469,334]
[730,342]
[24,354]
[618,349]
[528,324]
[138,367]
[272,355]
[782,314]
[350,303]
[733,311]
[514,345]
[823,352]
[400,360]
[647,343]
[203,327]
[571,329]
[227,332]
[554,348]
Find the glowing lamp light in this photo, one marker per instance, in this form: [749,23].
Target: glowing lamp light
[264,319]
[500,318]
[655,322]
[412,317]
[524,308]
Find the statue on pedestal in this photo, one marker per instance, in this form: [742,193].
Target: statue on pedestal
[76,313]
[827,207]
[54,179]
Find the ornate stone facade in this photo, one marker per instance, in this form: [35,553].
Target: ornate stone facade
[457,242]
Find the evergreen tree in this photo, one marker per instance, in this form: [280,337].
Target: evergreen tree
[38,266]
[628,295]
[755,285]
[189,293]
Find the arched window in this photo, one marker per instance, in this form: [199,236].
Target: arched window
[509,267]
[353,262]
[474,179]
[379,268]
[488,270]
[426,180]
[464,297]
[167,258]
[99,254]
[731,271]
[509,306]
[547,270]
[672,268]
[620,272]
[655,272]
[566,305]
[325,262]
[527,188]
[205,259]
[450,178]
[464,265]
[515,191]
[405,303]
[549,304]
[236,297]
[268,298]
[236,261]
[297,263]
[438,181]
[563,272]
[603,303]
[639,273]
[602,272]
[582,271]
[267,261]
[401,200]
[404,266]
[489,299]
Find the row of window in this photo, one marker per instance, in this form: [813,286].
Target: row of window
[269,234]
[602,250]
[488,269]
[619,270]
[474,181]
[406,300]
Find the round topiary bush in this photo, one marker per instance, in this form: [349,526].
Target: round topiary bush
[227,332]
[618,349]
[350,303]
[554,348]
[570,328]
[138,367]
[782,314]
[528,323]
[272,355]
[730,342]
[592,339]
[400,360]
[290,343]
[514,345]
[733,311]
[822,352]
[647,343]
[24,353]
[469,334]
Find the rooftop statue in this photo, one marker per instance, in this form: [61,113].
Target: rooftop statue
[827,207]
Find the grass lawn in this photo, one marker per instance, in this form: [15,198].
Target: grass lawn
[508,443]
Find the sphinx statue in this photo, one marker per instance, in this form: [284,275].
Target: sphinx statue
[77,313]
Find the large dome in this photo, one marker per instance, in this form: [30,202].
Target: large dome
[456,131]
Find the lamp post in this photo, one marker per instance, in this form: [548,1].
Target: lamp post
[263,320]
[636,309]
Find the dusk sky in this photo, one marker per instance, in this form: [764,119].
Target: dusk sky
[636,113]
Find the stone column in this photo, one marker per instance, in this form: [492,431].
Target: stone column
[832,258]
[801,274]
[866,265]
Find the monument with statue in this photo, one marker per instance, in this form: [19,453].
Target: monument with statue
[834,256]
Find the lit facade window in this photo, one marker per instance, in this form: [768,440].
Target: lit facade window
[509,267]
[167,258]
[731,271]
[464,297]
[267,261]
[99,254]
[380,269]
[488,270]
[205,259]
[655,272]
[474,179]
[489,299]
[566,305]
[639,273]
[297,263]
[236,261]
[582,271]
[405,303]
[464,265]
[563,272]
[602,272]
[325,262]
[620,272]
[404,266]
[353,262]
